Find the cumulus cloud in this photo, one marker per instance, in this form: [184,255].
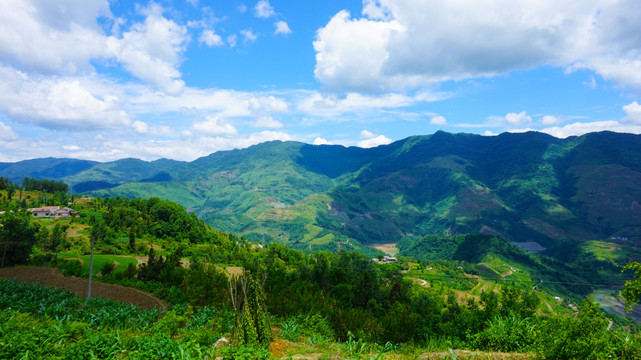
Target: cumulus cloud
[58,103]
[321,104]
[267,122]
[48,37]
[551,120]
[633,113]
[231,40]
[372,140]
[248,35]
[351,54]
[210,38]
[263,9]
[398,44]
[282,28]
[152,52]
[321,141]
[7,133]
[438,120]
[64,37]
[71,147]
[215,126]
[517,118]
[140,127]
[581,128]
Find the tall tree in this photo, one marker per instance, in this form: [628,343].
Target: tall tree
[18,237]
[98,233]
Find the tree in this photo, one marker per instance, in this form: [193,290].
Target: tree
[632,291]
[98,233]
[251,321]
[10,190]
[18,237]
[132,240]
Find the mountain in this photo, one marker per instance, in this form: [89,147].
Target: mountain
[528,188]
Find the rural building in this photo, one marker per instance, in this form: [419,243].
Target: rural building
[52,212]
[386,259]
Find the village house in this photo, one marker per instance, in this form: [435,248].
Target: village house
[386,259]
[52,212]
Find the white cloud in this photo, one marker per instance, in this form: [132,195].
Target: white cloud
[321,141]
[152,52]
[242,8]
[633,113]
[7,133]
[263,9]
[330,105]
[231,40]
[351,54]
[438,120]
[282,28]
[210,38]
[249,35]
[551,120]
[58,102]
[581,128]
[64,37]
[223,103]
[372,140]
[60,36]
[366,134]
[517,119]
[399,44]
[71,147]
[215,126]
[140,127]
[591,84]
[267,122]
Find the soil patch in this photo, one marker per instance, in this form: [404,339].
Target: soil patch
[235,271]
[78,286]
[389,248]
[144,259]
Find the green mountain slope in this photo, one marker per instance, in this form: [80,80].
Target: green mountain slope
[527,187]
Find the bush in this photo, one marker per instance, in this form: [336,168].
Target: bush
[108,268]
[70,268]
[506,333]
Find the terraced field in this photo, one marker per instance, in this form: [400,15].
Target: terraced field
[78,286]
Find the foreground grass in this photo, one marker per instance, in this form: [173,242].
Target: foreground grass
[39,322]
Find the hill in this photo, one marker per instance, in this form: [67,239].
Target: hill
[527,188]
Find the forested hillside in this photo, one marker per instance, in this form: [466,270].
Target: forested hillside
[526,188]
[476,294]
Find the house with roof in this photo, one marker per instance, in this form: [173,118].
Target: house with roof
[52,212]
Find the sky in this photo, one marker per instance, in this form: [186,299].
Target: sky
[180,79]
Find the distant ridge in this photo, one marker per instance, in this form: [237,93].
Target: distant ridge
[524,187]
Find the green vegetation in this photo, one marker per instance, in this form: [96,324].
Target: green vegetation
[468,291]
[527,187]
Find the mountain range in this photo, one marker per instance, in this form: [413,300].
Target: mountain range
[532,189]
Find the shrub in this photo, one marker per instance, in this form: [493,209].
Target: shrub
[108,268]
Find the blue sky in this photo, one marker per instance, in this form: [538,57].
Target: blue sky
[180,79]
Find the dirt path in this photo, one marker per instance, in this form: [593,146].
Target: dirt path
[78,286]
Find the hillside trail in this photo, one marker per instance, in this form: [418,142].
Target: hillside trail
[78,286]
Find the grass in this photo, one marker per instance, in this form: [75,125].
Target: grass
[615,253]
[100,260]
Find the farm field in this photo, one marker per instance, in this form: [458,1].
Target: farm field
[99,261]
[78,286]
